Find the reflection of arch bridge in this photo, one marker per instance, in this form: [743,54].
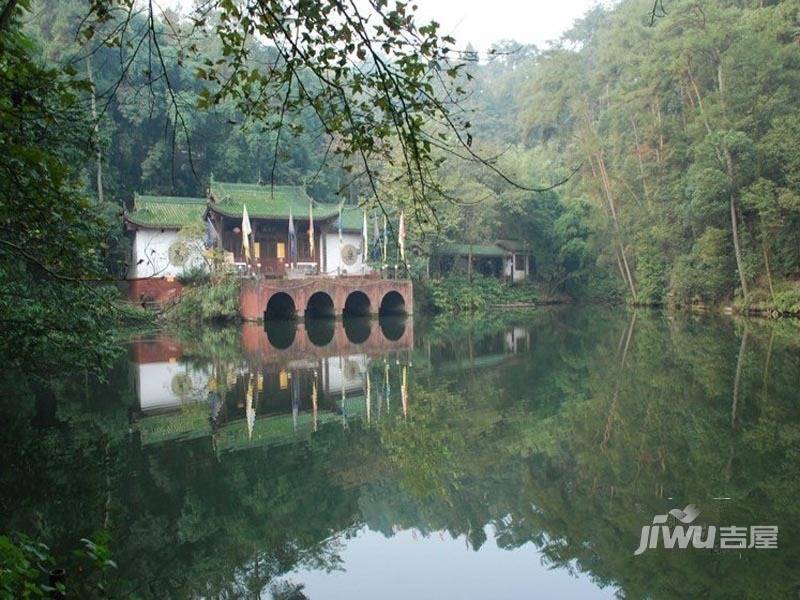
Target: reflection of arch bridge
[258,348]
[357,296]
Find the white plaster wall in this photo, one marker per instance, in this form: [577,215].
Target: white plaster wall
[333,259]
[521,275]
[348,372]
[509,269]
[154,384]
[152,246]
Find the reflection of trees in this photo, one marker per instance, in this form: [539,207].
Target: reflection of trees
[561,477]
[572,448]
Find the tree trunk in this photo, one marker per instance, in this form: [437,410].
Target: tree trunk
[617,229]
[98,147]
[641,164]
[766,265]
[735,224]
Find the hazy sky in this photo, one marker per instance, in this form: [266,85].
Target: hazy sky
[482,22]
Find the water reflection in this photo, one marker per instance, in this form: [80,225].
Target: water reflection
[223,465]
[283,381]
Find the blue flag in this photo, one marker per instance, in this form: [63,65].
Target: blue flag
[292,240]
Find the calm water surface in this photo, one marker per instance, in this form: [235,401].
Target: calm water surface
[512,456]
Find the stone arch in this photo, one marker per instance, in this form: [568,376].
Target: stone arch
[356,304]
[392,303]
[320,305]
[280,307]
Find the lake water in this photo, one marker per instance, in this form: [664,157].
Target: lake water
[508,456]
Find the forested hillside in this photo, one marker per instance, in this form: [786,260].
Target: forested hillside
[681,136]
[689,136]
[687,133]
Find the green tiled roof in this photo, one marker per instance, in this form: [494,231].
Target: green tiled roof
[189,422]
[269,431]
[477,250]
[265,201]
[166,211]
[353,219]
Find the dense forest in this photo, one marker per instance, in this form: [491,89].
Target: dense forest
[647,160]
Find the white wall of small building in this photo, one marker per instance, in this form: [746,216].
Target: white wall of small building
[333,261]
[151,246]
[510,268]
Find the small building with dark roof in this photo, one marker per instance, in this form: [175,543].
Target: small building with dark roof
[504,258]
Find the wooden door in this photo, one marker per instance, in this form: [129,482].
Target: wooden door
[273,256]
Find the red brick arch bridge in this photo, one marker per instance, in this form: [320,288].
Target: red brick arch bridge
[324,296]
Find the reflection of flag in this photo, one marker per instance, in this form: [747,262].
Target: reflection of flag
[247,230]
[386,388]
[401,236]
[404,390]
[314,398]
[295,399]
[250,412]
[216,404]
[292,240]
[368,394]
[211,234]
[311,228]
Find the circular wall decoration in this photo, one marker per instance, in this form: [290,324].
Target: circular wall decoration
[178,253]
[351,370]
[181,385]
[349,254]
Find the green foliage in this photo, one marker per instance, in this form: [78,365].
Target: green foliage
[458,294]
[214,300]
[674,124]
[707,274]
[788,300]
[25,565]
[55,310]
[194,275]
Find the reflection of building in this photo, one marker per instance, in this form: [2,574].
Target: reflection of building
[344,373]
[268,395]
[518,339]
[487,350]
[159,379]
